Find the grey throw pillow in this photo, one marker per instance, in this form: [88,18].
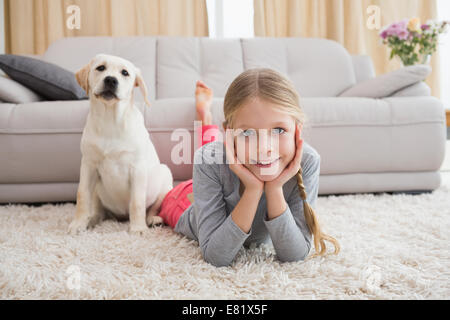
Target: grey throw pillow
[47,79]
[415,90]
[386,84]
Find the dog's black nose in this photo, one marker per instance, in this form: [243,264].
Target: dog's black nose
[111,82]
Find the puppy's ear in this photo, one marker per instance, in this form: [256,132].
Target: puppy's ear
[139,82]
[82,77]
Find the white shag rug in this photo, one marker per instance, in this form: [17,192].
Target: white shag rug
[392,247]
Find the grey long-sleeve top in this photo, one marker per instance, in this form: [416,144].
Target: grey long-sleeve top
[216,193]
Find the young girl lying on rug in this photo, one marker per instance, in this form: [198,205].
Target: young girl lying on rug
[243,195]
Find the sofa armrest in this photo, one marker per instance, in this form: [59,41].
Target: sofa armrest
[415,90]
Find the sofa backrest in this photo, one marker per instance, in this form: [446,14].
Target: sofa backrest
[171,65]
[364,68]
[317,67]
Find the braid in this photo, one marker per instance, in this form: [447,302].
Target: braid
[313,223]
[301,187]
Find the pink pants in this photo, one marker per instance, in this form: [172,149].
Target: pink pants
[176,200]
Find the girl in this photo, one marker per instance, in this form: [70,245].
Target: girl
[246,194]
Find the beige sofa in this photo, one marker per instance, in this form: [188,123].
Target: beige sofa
[394,144]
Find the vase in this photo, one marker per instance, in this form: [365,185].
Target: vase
[426,59]
[423,59]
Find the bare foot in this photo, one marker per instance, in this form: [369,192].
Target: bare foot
[203,101]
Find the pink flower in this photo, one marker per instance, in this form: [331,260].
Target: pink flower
[403,35]
[399,29]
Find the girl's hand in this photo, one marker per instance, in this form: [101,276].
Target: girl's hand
[292,168]
[249,180]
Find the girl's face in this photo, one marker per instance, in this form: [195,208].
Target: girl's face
[264,138]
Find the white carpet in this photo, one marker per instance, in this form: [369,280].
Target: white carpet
[392,247]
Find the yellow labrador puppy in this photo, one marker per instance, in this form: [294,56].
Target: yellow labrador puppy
[120,169]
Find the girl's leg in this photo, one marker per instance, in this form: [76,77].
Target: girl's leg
[208,132]
[177,201]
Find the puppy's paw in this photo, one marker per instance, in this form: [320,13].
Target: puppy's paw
[154,221]
[138,229]
[77,226]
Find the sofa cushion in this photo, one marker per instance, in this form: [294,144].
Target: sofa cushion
[47,79]
[317,67]
[184,60]
[386,84]
[362,135]
[415,90]
[13,91]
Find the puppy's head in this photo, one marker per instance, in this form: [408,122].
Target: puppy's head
[111,79]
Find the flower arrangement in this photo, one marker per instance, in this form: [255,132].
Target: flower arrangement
[412,41]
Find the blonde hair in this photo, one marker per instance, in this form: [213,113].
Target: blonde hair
[270,85]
